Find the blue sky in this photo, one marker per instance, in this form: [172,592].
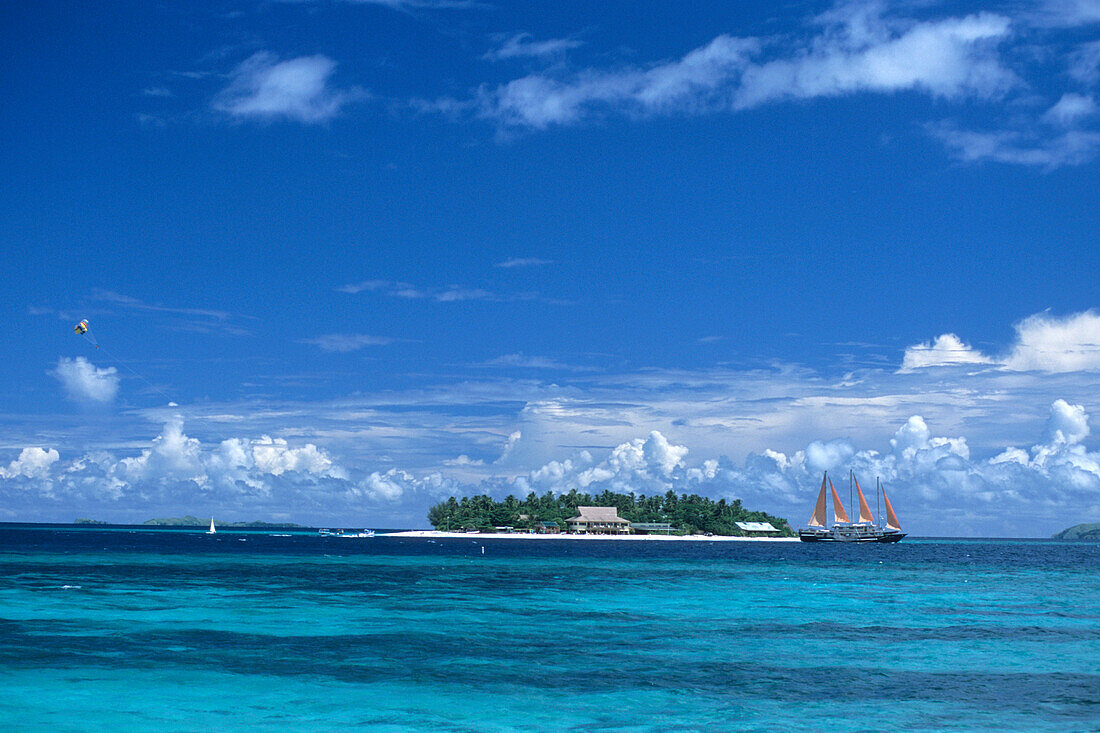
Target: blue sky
[380,253]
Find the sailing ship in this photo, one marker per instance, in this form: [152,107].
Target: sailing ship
[212,530]
[845,530]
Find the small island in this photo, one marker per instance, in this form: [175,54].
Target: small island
[606,513]
[1088,532]
[190,521]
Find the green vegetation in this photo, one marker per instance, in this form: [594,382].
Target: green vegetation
[89,521]
[688,513]
[1080,532]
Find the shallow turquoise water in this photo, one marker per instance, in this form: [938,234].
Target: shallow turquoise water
[180,631]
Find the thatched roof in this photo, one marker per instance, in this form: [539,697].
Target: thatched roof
[605,514]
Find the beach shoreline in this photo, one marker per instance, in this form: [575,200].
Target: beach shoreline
[433,534]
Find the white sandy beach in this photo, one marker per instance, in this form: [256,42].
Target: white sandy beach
[427,533]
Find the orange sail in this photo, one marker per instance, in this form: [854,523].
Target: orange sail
[864,510]
[891,518]
[839,515]
[818,518]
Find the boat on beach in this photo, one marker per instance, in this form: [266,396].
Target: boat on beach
[845,530]
[345,533]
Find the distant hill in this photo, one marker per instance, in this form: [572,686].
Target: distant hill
[1080,532]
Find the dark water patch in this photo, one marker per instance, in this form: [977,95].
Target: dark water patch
[527,662]
[824,630]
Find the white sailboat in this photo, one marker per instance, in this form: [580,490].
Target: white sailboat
[211,530]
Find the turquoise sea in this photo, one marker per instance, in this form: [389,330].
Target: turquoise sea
[167,630]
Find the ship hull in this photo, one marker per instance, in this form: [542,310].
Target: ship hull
[883,537]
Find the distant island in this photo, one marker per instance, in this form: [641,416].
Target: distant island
[1080,532]
[672,513]
[190,521]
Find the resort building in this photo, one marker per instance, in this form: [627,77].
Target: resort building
[652,528]
[598,520]
[758,529]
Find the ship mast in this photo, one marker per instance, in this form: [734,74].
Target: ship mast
[851,496]
[878,510]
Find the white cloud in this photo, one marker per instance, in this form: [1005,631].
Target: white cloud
[949,58]
[522,361]
[173,459]
[84,381]
[947,350]
[857,50]
[936,484]
[1072,147]
[32,463]
[1084,63]
[366,285]
[346,342]
[1066,13]
[523,262]
[173,456]
[463,460]
[407,291]
[262,87]
[827,456]
[540,101]
[509,447]
[1043,343]
[274,456]
[522,45]
[411,5]
[1052,344]
[646,465]
[1070,110]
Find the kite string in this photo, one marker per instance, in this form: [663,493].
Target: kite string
[125,366]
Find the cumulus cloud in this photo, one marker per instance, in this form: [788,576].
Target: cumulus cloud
[83,381]
[174,459]
[947,350]
[32,463]
[643,464]
[1043,342]
[938,486]
[463,460]
[1051,344]
[264,88]
[176,473]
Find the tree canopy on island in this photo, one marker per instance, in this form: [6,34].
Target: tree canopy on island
[687,513]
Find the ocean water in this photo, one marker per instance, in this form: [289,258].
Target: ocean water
[171,631]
